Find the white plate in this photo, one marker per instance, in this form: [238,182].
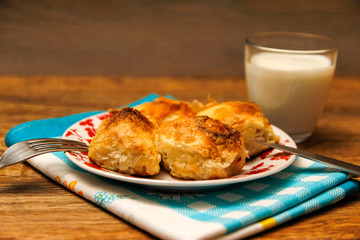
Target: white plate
[266,164]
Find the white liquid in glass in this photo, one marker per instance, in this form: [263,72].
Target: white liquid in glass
[290,89]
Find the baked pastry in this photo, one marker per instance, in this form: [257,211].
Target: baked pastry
[164,109]
[201,148]
[248,119]
[126,142]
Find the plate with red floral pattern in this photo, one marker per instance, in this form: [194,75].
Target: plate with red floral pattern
[265,164]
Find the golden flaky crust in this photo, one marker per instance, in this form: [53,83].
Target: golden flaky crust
[248,119]
[212,143]
[201,148]
[126,142]
[165,110]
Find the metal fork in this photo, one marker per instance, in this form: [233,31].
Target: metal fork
[22,151]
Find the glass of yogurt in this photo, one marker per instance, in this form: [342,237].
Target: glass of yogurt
[288,75]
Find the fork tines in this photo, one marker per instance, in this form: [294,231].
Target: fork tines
[56,144]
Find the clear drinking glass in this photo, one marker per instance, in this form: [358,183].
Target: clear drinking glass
[288,75]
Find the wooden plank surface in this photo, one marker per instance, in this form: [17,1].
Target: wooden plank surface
[34,207]
[147,38]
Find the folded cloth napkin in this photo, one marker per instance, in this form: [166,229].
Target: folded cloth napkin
[234,212]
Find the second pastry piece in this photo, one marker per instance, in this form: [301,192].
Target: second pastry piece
[164,110]
[201,148]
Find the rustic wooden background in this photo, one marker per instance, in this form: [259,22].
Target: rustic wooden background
[148,38]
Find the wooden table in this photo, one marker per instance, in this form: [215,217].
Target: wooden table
[32,206]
